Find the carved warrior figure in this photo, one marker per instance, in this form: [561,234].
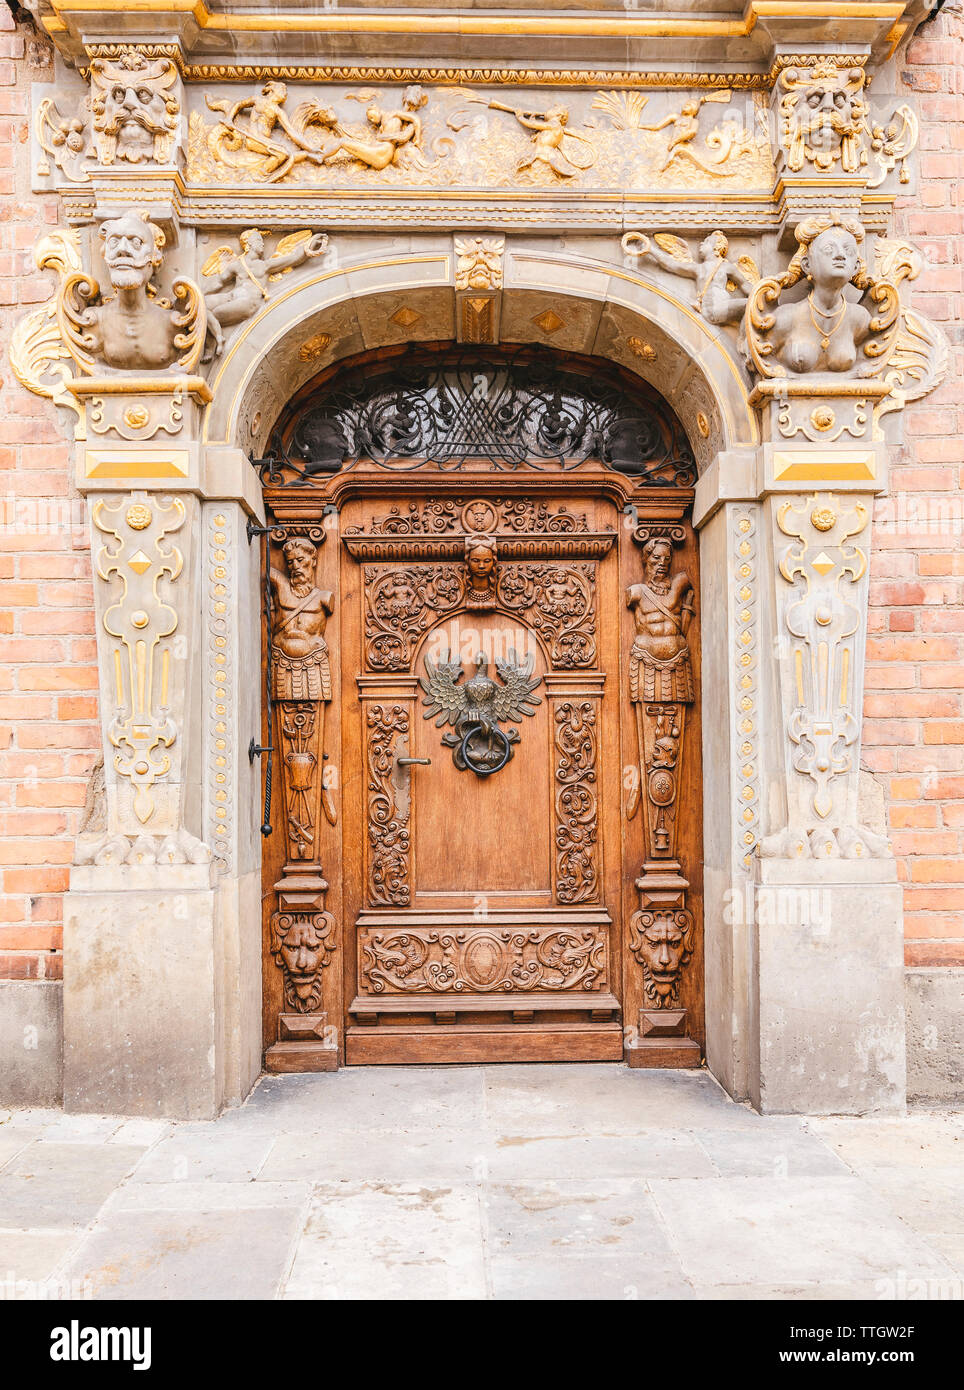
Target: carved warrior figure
[132,329]
[240,278]
[134,108]
[300,666]
[823,117]
[659,664]
[722,286]
[824,331]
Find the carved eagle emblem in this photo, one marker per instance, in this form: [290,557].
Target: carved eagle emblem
[476,707]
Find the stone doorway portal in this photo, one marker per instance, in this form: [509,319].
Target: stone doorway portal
[481,667]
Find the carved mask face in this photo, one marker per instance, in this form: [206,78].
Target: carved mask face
[300,951]
[828,115]
[129,251]
[663,945]
[135,112]
[481,563]
[832,257]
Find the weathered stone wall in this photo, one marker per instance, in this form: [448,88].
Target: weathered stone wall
[914,716]
[48,674]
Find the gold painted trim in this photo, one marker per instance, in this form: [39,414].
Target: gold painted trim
[810,466]
[462,24]
[617,79]
[137,463]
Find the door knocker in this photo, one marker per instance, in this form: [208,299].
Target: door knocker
[476,708]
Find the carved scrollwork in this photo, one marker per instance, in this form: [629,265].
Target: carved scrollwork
[401,604]
[496,960]
[577,879]
[388,813]
[560,603]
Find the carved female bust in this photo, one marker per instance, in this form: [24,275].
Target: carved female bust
[824,331]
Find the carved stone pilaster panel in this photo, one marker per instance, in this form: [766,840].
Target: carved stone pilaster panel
[821,544]
[144,571]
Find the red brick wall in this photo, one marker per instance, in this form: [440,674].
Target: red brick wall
[914,729]
[914,714]
[48,677]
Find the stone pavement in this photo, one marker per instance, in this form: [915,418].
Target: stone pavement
[517,1182]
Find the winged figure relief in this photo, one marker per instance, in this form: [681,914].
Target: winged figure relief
[477,708]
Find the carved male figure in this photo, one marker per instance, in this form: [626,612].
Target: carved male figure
[134,107]
[824,117]
[659,665]
[130,329]
[300,665]
[391,133]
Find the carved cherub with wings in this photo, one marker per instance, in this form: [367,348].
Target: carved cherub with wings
[241,277]
[722,286]
[477,707]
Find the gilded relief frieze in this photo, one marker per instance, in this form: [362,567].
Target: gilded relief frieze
[459,136]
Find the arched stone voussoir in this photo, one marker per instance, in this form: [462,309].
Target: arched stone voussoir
[559,301]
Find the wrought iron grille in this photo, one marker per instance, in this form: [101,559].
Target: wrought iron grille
[511,411]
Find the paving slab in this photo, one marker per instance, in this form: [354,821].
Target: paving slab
[931,1200]
[367,1098]
[564,1217]
[14,1141]
[914,1140]
[781,1231]
[655,1153]
[196,1153]
[584,1278]
[390,1241]
[205,1196]
[767,1153]
[62,1184]
[32,1255]
[432,1155]
[608,1098]
[235,1254]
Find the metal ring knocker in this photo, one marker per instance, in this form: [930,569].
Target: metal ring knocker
[483,769]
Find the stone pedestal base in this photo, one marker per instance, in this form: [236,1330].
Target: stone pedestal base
[827,988]
[305,1043]
[660,1040]
[142,1006]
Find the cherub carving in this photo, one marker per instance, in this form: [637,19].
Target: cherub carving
[135,108]
[240,278]
[722,286]
[685,125]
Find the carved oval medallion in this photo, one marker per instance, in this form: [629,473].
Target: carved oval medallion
[482,961]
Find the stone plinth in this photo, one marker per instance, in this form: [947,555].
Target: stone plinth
[827,987]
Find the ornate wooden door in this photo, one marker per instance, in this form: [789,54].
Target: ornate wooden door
[485,739]
[482,660]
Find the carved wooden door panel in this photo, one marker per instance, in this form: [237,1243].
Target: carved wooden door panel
[482,779]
